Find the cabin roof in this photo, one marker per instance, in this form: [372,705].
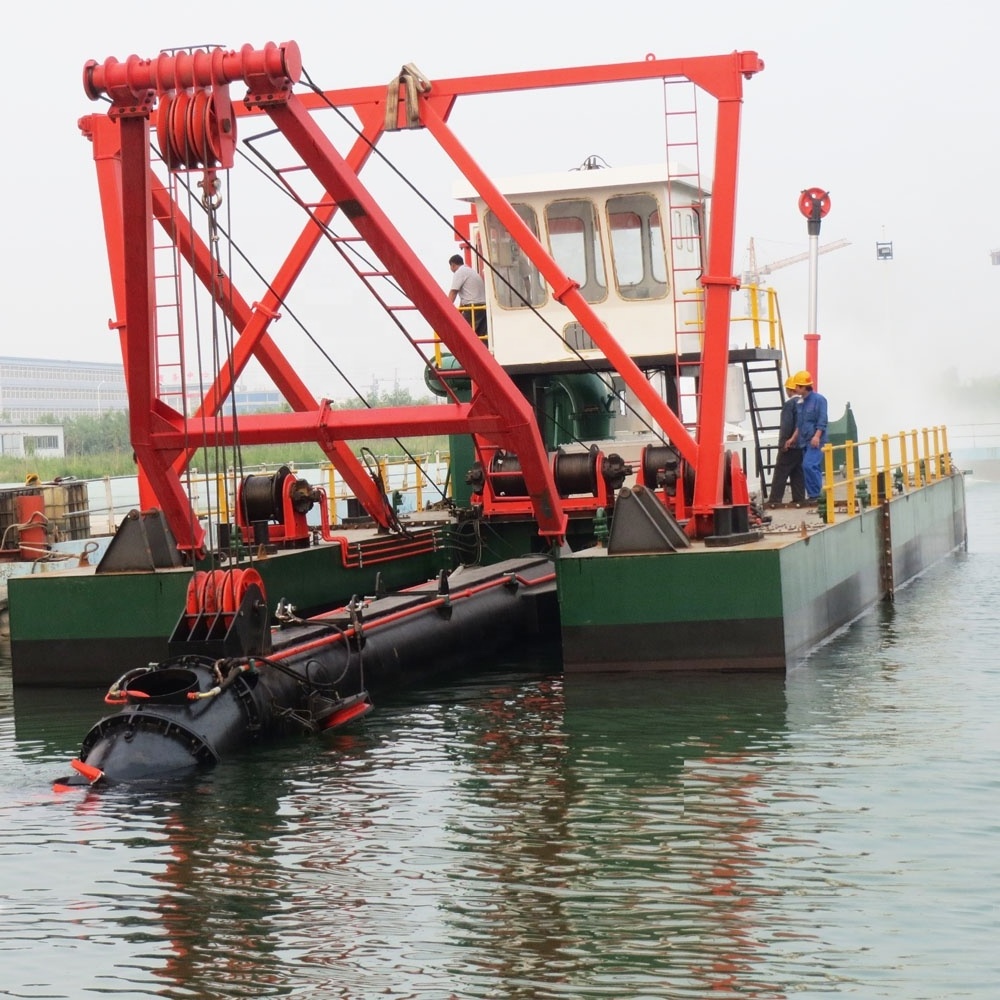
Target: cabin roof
[603,178]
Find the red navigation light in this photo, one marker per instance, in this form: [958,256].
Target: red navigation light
[814,203]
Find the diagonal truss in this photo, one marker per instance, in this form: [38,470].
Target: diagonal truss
[188,95]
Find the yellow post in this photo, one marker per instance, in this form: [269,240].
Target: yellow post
[887,470]
[221,497]
[447,492]
[917,478]
[420,483]
[945,453]
[331,494]
[828,482]
[873,468]
[383,474]
[938,470]
[772,317]
[849,474]
[929,476]
[903,462]
[754,292]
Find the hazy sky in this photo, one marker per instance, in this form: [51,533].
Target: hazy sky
[893,112]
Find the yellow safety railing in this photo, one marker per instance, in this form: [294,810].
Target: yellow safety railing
[400,475]
[214,495]
[471,314]
[767,329]
[898,463]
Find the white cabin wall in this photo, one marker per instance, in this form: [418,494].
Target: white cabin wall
[642,326]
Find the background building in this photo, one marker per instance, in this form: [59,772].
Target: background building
[33,389]
[25,440]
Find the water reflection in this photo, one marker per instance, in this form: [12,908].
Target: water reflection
[523,835]
[615,846]
[518,836]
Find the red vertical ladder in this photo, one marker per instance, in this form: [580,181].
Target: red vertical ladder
[169,344]
[363,261]
[684,224]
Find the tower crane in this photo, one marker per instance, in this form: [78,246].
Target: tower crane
[753,275]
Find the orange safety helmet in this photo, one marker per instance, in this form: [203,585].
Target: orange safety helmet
[790,382]
[802,379]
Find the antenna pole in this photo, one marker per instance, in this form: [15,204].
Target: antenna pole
[814,203]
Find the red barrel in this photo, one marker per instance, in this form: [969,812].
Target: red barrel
[31,525]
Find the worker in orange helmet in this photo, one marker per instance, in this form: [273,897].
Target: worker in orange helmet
[811,433]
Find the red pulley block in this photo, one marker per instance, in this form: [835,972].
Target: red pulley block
[810,199]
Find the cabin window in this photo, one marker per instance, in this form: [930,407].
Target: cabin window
[576,338]
[516,281]
[637,248]
[576,245]
[686,239]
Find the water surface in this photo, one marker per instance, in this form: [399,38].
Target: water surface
[519,835]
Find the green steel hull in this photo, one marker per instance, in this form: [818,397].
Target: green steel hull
[751,606]
[742,607]
[78,628]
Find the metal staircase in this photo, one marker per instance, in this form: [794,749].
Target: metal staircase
[380,282]
[765,394]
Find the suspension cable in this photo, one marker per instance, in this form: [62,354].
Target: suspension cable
[287,310]
[351,247]
[331,234]
[435,211]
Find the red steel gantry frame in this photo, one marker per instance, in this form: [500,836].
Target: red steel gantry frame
[188,93]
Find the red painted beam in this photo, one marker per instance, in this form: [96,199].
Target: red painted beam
[147,414]
[719,75]
[519,432]
[718,282]
[325,425]
[564,289]
[253,322]
[270,74]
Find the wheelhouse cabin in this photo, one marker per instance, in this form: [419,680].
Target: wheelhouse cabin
[605,228]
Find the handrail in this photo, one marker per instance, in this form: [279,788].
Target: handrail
[400,473]
[470,313]
[905,462]
[771,324]
[388,466]
[104,501]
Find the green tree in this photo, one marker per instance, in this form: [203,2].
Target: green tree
[107,433]
[396,396]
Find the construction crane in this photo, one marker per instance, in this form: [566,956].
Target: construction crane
[755,272]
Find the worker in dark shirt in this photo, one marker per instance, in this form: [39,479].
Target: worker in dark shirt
[788,465]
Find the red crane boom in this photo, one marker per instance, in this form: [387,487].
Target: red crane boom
[185,96]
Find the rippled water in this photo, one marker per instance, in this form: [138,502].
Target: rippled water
[828,834]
